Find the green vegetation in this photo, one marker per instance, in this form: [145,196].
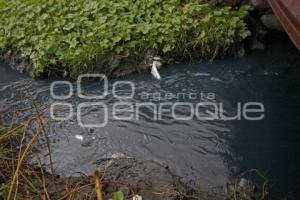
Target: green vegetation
[117,196]
[63,37]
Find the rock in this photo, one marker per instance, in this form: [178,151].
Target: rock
[241,52]
[149,179]
[259,4]
[227,2]
[233,3]
[144,178]
[258,33]
[257,45]
[17,62]
[271,22]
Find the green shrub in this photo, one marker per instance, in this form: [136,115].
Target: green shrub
[56,34]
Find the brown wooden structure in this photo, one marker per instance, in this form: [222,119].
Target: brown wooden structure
[288,13]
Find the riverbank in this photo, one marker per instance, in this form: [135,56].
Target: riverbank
[49,38]
[118,178]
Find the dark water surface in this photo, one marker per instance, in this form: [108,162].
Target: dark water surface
[207,151]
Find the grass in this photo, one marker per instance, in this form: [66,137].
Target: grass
[67,38]
[20,179]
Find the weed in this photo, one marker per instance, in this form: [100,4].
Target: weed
[62,37]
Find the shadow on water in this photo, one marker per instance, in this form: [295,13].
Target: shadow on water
[209,151]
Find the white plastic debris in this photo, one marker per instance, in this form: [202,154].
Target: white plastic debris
[118,155]
[156,64]
[79,137]
[137,197]
[243,182]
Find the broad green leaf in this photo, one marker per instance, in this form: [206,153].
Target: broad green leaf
[118,196]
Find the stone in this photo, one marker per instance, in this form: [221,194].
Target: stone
[257,45]
[259,4]
[271,22]
[233,3]
[145,179]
